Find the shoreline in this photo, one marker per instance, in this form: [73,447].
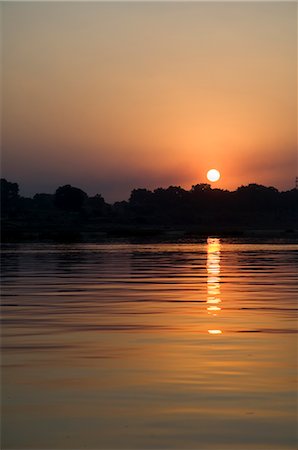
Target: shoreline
[152,234]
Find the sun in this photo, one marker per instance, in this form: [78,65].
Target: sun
[213,175]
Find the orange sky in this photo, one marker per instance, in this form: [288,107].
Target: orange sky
[112,96]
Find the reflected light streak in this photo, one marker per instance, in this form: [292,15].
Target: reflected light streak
[213,279]
[213,300]
[213,308]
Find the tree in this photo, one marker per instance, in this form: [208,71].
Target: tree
[199,188]
[69,198]
[140,197]
[96,206]
[43,201]
[257,197]
[9,195]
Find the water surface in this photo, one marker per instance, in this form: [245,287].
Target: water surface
[152,346]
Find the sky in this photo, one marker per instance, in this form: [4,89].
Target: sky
[111,96]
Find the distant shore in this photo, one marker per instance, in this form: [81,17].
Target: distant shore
[15,234]
[165,214]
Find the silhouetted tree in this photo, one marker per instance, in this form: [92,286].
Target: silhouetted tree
[200,198]
[289,201]
[141,201]
[140,197]
[9,196]
[256,197]
[43,201]
[96,206]
[69,198]
[120,207]
[199,188]
[170,201]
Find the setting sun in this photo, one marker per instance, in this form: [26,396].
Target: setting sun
[213,175]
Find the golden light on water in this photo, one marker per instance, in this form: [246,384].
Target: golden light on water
[213,308]
[213,300]
[213,175]
[213,280]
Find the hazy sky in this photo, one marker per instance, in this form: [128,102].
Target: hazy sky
[112,96]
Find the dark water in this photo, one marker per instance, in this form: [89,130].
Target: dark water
[168,346]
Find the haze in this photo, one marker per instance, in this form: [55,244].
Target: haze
[114,96]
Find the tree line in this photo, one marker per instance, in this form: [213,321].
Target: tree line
[250,205]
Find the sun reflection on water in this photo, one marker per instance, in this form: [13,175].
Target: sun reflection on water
[213,280]
[214,331]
